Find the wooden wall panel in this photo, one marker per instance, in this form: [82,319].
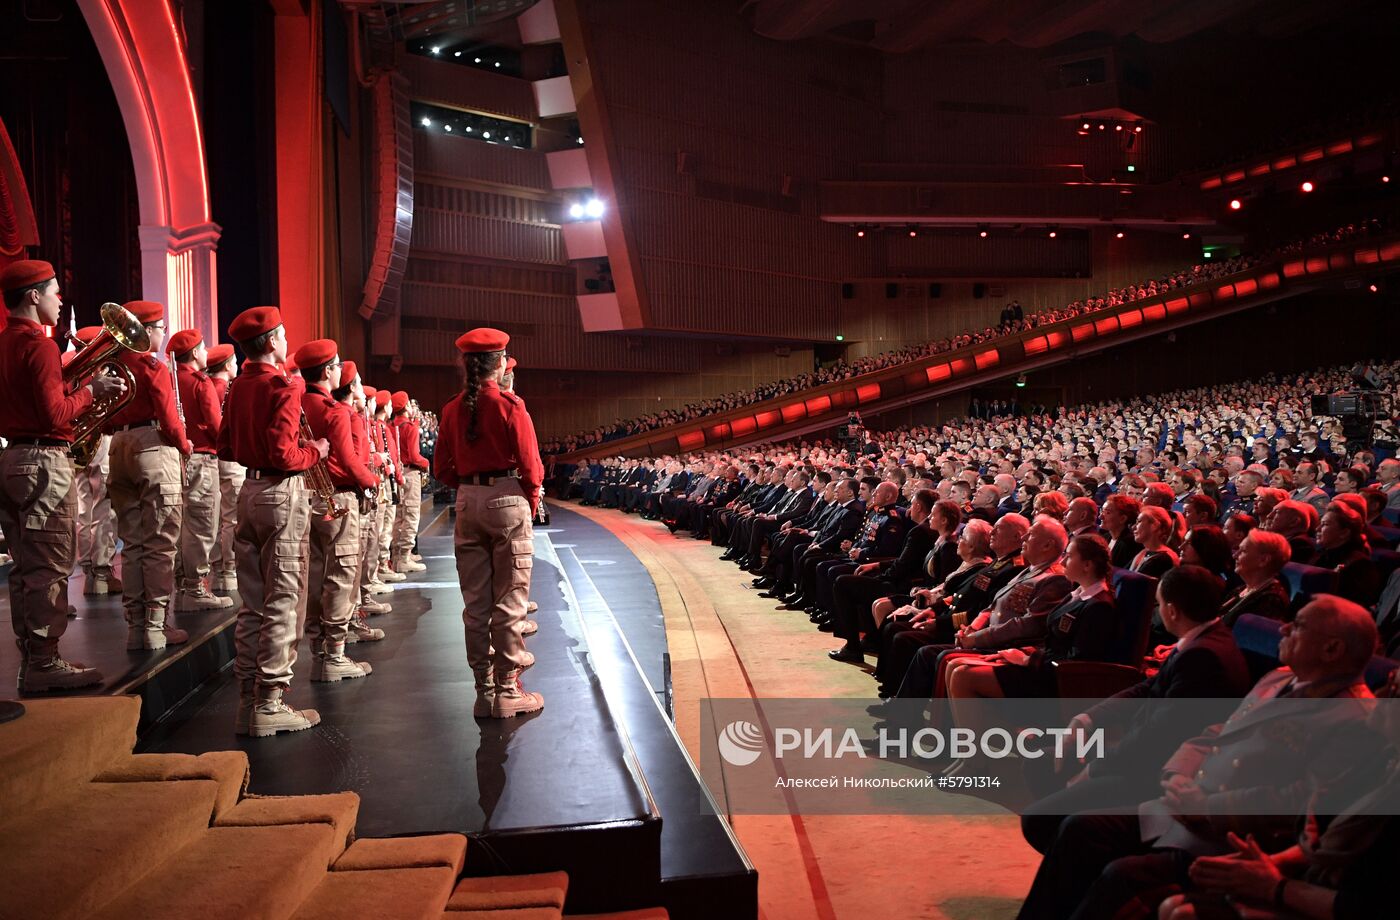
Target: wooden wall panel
[455,158]
[470,88]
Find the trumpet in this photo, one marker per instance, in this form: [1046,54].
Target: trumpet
[120,330]
[318,477]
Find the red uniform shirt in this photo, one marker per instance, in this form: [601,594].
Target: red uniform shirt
[200,400]
[406,432]
[31,377]
[154,400]
[262,422]
[331,420]
[220,391]
[505,440]
[391,447]
[359,436]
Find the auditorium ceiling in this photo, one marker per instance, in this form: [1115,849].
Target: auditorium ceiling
[899,26]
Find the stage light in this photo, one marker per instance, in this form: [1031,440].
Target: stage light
[1132,168]
[1052,232]
[1118,127]
[594,208]
[470,129]
[456,54]
[1375,288]
[840,337]
[1235,204]
[447,127]
[576,211]
[476,60]
[1085,126]
[1385,178]
[1102,126]
[913,233]
[1306,186]
[1137,129]
[1186,235]
[427,122]
[580,140]
[860,234]
[436,49]
[982,231]
[506,138]
[1118,235]
[497,64]
[486,134]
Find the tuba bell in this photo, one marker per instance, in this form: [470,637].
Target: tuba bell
[120,330]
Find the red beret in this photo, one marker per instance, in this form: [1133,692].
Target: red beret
[317,351]
[510,364]
[25,273]
[145,311]
[400,400]
[482,339]
[218,354]
[369,393]
[87,334]
[183,341]
[348,370]
[253,322]
[381,397]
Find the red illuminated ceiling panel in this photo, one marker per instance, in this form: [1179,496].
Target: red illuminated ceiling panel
[989,358]
[1224,292]
[1057,339]
[1294,269]
[1246,287]
[790,414]
[818,404]
[1177,305]
[768,419]
[1129,319]
[1198,300]
[939,372]
[718,432]
[743,427]
[1155,312]
[1036,346]
[868,393]
[1082,332]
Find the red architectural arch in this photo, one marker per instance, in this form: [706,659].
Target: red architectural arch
[143,50]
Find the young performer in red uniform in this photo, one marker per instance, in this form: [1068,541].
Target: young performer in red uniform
[488,451]
[37,498]
[335,540]
[148,450]
[404,429]
[199,526]
[388,511]
[222,368]
[262,418]
[360,395]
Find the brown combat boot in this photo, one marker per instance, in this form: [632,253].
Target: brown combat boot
[271,715]
[331,664]
[485,693]
[247,697]
[511,698]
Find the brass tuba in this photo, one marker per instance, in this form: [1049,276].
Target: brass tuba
[120,330]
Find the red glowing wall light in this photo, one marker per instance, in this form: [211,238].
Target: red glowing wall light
[868,393]
[987,359]
[1236,204]
[691,440]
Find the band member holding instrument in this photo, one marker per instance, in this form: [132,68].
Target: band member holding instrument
[335,538]
[261,420]
[488,452]
[37,498]
[403,426]
[97,523]
[148,446]
[360,630]
[388,512]
[223,575]
[200,523]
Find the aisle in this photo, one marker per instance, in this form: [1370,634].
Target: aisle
[725,641]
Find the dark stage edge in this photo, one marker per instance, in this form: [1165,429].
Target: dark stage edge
[597,784]
[97,637]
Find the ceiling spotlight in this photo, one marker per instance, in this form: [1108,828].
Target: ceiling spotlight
[427,122]
[447,127]
[576,211]
[470,129]
[497,64]
[913,233]
[456,54]
[1102,126]
[1385,178]
[1186,235]
[1306,186]
[580,140]
[1236,204]
[436,49]
[860,234]
[1118,127]
[982,232]
[486,134]
[1084,127]
[476,60]
[594,208]
[506,138]
[1137,129]
[1118,235]
[1375,289]
[1052,234]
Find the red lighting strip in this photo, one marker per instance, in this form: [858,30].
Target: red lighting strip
[938,372]
[988,359]
[691,440]
[868,393]
[817,405]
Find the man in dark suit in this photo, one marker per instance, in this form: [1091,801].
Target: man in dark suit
[1204,663]
[799,528]
[762,525]
[739,517]
[1253,774]
[697,516]
[722,518]
[841,525]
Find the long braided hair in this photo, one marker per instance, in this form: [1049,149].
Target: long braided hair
[478,367]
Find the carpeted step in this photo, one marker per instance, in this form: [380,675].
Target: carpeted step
[645,913]
[404,894]
[507,892]
[227,768]
[60,744]
[231,873]
[79,853]
[447,851]
[337,811]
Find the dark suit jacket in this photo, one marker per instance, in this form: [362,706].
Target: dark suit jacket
[1269,601]
[843,525]
[1080,630]
[795,505]
[771,499]
[907,569]
[1125,550]
[1211,667]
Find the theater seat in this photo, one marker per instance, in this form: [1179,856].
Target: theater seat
[1304,581]
[1258,638]
[1387,560]
[1136,596]
[1391,535]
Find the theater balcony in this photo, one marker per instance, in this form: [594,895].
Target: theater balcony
[939,375]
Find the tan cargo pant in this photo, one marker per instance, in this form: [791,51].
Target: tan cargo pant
[270,545]
[369,549]
[495,549]
[145,488]
[231,476]
[200,522]
[331,592]
[97,522]
[37,507]
[406,516]
[386,531]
